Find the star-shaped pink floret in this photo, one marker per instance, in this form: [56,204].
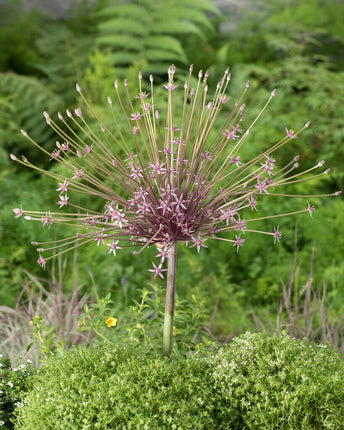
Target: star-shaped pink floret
[63,187]
[163,253]
[113,246]
[41,262]
[252,202]
[310,209]
[198,242]
[18,212]
[170,86]
[238,242]
[63,200]
[157,271]
[136,116]
[290,134]
[230,135]
[100,238]
[277,234]
[78,173]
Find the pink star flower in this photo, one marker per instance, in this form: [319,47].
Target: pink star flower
[41,262]
[113,246]
[63,187]
[198,242]
[170,86]
[277,234]
[63,200]
[238,242]
[290,134]
[78,173]
[18,212]
[136,116]
[157,271]
[310,209]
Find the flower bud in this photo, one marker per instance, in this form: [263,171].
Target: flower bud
[60,116]
[47,117]
[273,92]
[115,84]
[191,68]
[78,112]
[307,124]
[337,193]
[23,132]
[296,158]
[109,101]
[13,157]
[327,171]
[68,113]
[247,85]
[78,88]
[125,83]
[321,163]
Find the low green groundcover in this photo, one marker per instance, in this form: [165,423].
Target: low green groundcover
[256,382]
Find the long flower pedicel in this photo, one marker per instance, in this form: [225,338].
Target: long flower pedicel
[186,180]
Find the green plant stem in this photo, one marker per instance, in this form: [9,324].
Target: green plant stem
[169,304]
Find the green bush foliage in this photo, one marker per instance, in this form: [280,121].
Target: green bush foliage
[14,382]
[279,383]
[255,382]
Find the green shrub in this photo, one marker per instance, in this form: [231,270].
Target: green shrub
[119,389]
[14,382]
[279,383]
[255,382]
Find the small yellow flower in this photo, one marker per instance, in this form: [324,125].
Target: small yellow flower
[175,330]
[30,322]
[111,322]
[138,326]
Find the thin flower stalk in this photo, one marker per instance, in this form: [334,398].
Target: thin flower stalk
[180,176]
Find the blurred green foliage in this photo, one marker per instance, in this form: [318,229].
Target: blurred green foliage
[294,46]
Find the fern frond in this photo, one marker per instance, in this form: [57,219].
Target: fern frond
[66,57]
[120,25]
[121,41]
[157,27]
[176,27]
[166,43]
[29,97]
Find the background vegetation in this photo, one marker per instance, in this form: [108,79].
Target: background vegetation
[294,46]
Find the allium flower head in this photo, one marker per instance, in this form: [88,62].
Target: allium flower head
[176,181]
